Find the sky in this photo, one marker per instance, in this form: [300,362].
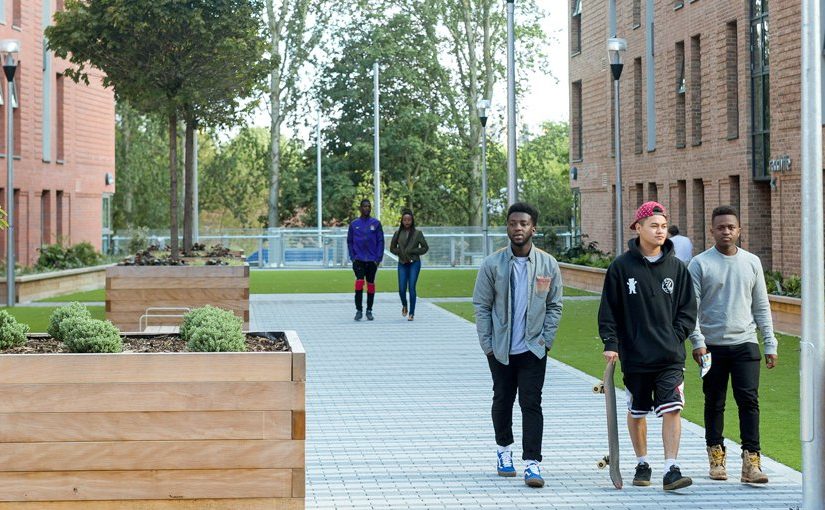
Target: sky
[548,97]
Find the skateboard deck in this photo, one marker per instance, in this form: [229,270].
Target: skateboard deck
[612,458]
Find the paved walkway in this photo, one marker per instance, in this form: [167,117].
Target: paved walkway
[398,417]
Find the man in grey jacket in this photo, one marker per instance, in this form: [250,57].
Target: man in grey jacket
[517,301]
[733,302]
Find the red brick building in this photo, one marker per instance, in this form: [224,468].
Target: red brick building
[64,141]
[710,104]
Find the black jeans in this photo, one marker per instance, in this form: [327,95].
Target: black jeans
[739,363]
[525,376]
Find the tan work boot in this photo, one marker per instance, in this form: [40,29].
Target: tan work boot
[752,468]
[717,460]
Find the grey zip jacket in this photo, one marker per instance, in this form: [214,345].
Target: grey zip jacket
[491,299]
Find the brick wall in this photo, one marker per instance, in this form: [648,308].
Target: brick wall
[73,182]
[714,167]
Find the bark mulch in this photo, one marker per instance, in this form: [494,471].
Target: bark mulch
[255,342]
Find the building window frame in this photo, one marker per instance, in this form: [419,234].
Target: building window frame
[760,91]
[575,27]
[576,123]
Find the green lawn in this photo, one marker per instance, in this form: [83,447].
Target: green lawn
[37,317]
[578,345]
[431,283]
[83,297]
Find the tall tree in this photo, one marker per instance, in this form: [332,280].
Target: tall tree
[143,187]
[296,28]
[164,57]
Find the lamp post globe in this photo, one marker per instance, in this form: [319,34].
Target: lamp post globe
[483,106]
[615,50]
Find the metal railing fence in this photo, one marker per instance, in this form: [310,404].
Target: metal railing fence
[449,246]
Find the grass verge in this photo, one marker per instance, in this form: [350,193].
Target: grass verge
[431,283]
[578,345]
[37,317]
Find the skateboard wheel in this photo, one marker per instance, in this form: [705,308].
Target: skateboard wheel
[598,388]
[604,462]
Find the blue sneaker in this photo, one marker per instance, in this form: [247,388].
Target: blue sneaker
[505,464]
[532,475]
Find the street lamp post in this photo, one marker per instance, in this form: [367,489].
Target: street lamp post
[8,50]
[512,182]
[615,48]
[483,105]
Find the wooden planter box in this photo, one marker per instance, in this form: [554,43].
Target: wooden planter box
[32,287]
[786,311]
[130,290]
[153,431]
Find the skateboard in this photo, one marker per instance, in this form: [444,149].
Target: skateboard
[612,458]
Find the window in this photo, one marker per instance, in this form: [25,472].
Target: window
[637,13]
[760,87]
[732,79]
[651,76]
[699,214]
[681,194]
[696,90]
[45,218]
[640,194]
[637,106]
[680,94]
[576,27]
[735,195]
[58,223]
[106,211]
[576,145]
[60,84]
[652,191]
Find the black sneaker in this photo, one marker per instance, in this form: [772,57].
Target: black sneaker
[369,315]
[358,315]
[674,480]
[642,476]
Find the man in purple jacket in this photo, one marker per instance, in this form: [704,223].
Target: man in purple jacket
[365,241]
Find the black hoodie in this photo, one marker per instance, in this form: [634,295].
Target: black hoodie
[648,309]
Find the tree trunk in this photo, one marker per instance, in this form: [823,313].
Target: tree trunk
[189,185]
[275,29]
[173,184]
[274,157]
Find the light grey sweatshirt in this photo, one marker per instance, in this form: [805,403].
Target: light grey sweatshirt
[732,298]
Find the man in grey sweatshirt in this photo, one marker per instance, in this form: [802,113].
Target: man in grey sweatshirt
[733,302]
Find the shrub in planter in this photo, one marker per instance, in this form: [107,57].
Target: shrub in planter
[139,240]
[81,334]
[57,257]
[74,309]
[211,329]
[12,333]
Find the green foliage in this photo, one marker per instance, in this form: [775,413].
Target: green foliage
[87,335]
[54,257]
[139,240]
[782,286]
[192,59]
[211,329]
[12,333]
[72,310]
[587,254]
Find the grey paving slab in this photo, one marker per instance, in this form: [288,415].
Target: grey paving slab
[398,416]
